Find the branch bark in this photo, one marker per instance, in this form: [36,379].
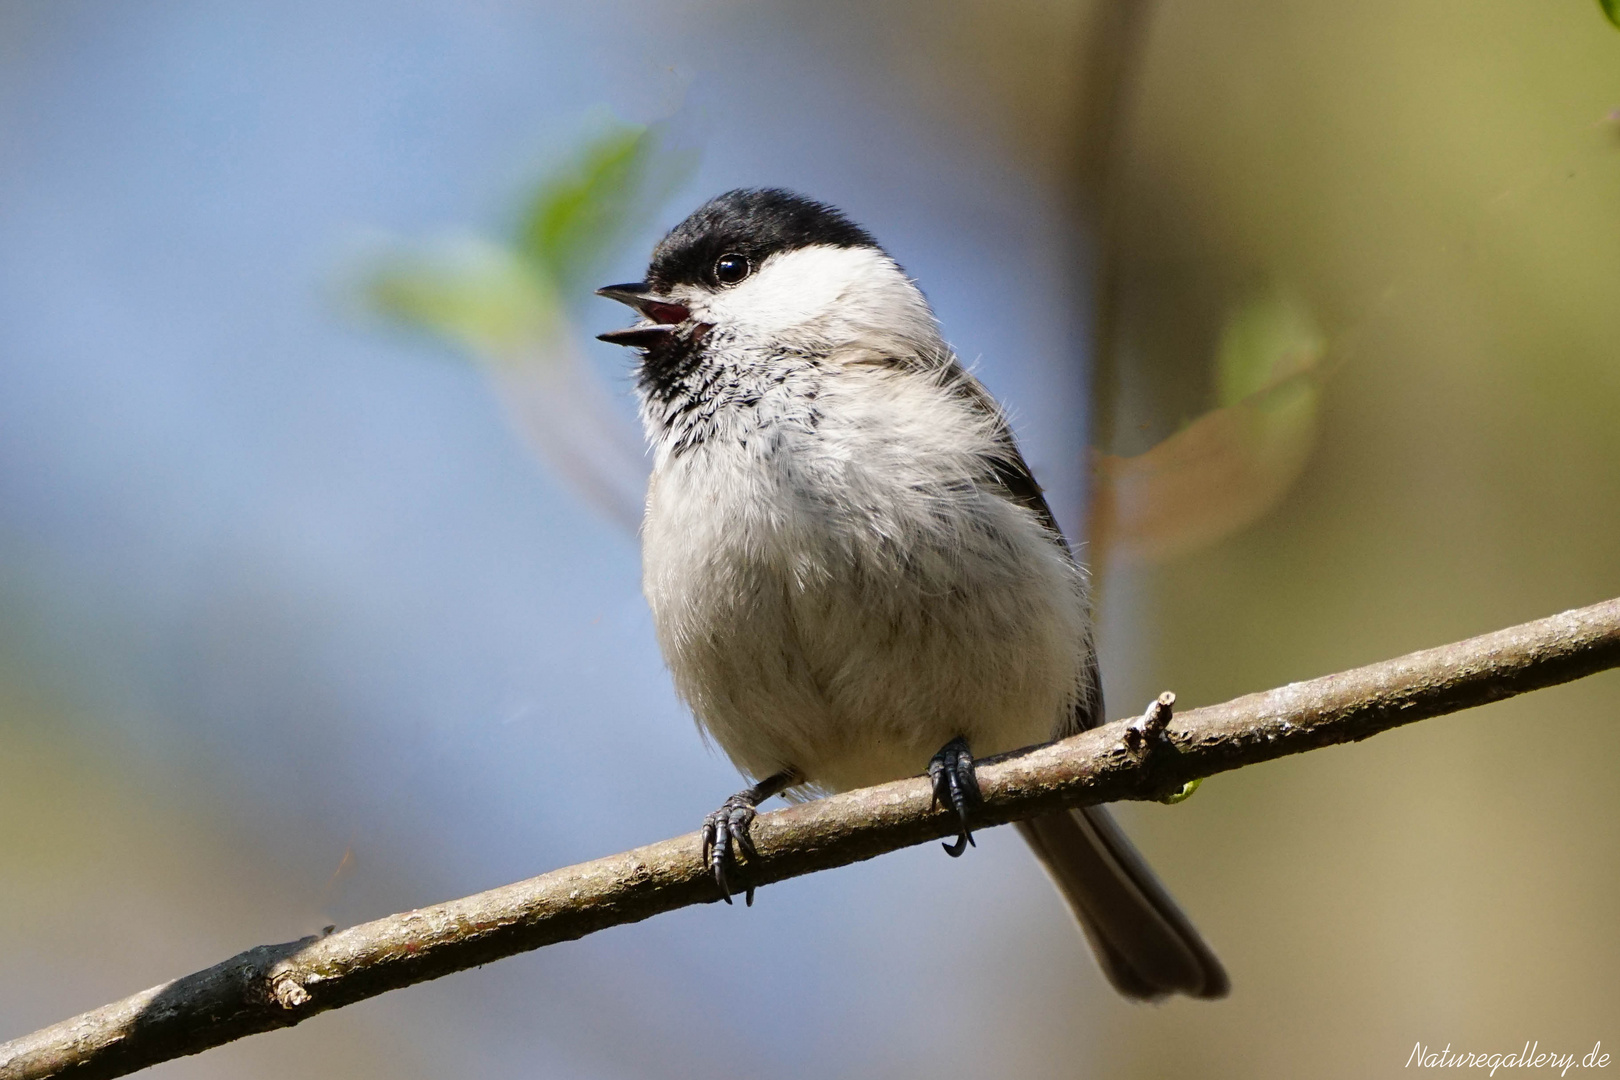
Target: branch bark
[276,986]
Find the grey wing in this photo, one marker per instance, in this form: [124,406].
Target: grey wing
[1008,470]
[1013,474]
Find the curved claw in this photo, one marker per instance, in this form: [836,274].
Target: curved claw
[951,773]
[713,845]
[725,832]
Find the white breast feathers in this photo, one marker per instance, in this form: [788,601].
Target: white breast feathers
[840,585]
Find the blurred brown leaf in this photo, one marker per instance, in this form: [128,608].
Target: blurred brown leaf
[1224,470]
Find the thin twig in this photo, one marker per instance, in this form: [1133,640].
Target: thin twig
[279,985]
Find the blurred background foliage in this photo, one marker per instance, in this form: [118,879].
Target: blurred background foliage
[494,298]
[504,304]
[291,631]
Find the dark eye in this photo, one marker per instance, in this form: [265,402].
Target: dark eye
[730,269]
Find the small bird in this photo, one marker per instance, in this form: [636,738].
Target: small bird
[853,575]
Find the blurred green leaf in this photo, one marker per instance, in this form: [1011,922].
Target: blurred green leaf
[499,301]
[1611,8]
[477,294]
[1265,342]
[581,213]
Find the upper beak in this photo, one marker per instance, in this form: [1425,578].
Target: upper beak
[666,314]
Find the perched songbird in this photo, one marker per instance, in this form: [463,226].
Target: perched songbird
[853,575]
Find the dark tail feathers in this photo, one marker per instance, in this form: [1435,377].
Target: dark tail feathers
[1146,946]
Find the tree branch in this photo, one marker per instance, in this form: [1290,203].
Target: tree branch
[279,985]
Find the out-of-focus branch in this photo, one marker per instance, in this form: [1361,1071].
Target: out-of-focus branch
[1115,42]
[279,985]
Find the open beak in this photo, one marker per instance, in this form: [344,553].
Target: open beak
[665,314]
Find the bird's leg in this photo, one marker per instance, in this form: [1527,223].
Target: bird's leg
[951,772]
[725,832]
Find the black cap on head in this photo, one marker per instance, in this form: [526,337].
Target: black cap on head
[755,223]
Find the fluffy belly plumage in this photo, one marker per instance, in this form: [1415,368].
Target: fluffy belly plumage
[850,642]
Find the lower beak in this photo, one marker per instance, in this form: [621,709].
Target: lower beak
[664,313]
[639,337]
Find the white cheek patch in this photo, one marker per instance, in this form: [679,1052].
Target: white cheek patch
[821,291]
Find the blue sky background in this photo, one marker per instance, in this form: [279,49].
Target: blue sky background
[291,575]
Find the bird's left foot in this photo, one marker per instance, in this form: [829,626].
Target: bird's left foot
[725,832]
[951,772]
